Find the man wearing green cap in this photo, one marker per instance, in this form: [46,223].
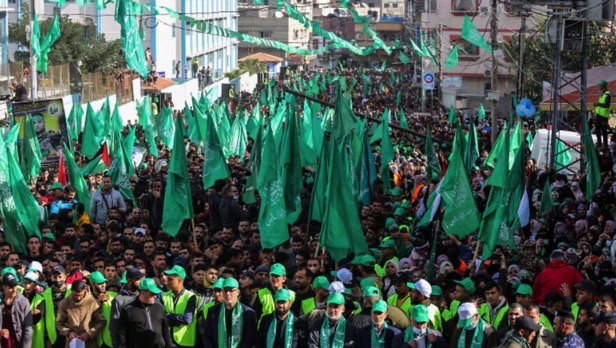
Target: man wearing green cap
[143,322]
[43,316]
[264,303]
[419,334]
[230,323]
[464,290]
[524,294]
[379,334]
[282,328]
[216,298]
[98,285]
[602,114]
[320,285]
[180,306]
[370,295]
[333,327]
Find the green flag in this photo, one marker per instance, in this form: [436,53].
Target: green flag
[145,120]
[404,59]
[593,173]
[473,36]
[131,41]
[120,172]
[291,172]
[36,37]
[481,113]
[452,58]
[563,157]
[178,197]
[387,153]
[166,127]
[420,53]
[30,156]
[214,164]
[93,133]
[434,166]
[471,152]
[239,138]
[367,173]
[13,230]
[547,201]
[45,47]
[496,148]
[451,117]
[76,179]
[403,122]
[248,196]
[272,213]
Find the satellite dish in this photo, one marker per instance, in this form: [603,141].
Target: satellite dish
[278,14]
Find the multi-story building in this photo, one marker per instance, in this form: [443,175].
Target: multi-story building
[266,21]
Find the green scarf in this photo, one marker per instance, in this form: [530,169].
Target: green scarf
[338,341]
[237,323]
[477,336]
[378,341]
[409,334]
[288,335]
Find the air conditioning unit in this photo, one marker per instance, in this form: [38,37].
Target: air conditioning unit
[483,11]
[487,73]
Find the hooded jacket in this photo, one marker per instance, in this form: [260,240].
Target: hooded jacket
[552,277]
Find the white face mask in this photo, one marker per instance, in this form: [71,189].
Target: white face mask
[419,332]
[470,326]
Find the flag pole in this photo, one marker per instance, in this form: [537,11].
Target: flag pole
[475,254]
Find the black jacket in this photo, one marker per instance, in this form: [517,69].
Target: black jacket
[230,212]
[393,337]
[210,337]
[143,326]
[300,333]
[314,334]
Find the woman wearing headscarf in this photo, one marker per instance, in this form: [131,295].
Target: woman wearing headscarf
[391,271]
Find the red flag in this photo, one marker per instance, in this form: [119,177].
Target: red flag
[105,155]
[62,171]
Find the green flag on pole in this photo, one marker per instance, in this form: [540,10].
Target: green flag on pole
[547,201]
[214,164]
[178,197]
[452,58]
[481,113]
[93,133]
[76,179]
[30,156]
[434,166]
[45,47]
[593,173]
[473,36]
[563,157]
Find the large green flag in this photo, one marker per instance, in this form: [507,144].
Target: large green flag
[471,152]
[93,133]
[420,53]
[452,58]
[291,171]
[272,212]
[239,138]
[547,201]
[166,127]
[73,123]
[36,37]
[367,173]
[145,119]
[496,148]
[178,197]
[515,143]
[563,157]
[76,179]
[339,232]
[593,173]
[120,172]
[452,115]
[132,45]
[473,36]
[214,164]
[30,156]
[434,166]
[45,47]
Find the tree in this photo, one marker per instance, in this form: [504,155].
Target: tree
[252,66]
[79,42]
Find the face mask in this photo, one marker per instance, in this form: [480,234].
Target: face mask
[236,197]
[58,283]
[419,332]
[608,243]
[470,326]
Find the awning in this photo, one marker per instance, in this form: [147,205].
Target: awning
[161,83]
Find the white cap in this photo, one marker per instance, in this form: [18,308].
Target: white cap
[35,266]
[336,287]
[31,276]
[467,310]
[344,275]
[423,287]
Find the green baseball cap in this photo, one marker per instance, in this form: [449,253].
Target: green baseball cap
[218,283]
[278,269]
[230,283]
[49,236]
[388,243]
[97,278]
[390,221]
[602,83]
[467,284]
[176,270]
[320,282]
[56,186]
[123,278]
[148,284]
[364,260]
[335,298]
[366,282]
[400,212]
[370,291]
[10,270]
[379,306]
[405,204]
[396,191]
[524,289]
[436,291]
[420,313]
[282,295]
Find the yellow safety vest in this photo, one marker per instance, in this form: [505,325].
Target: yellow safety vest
[600,110]
[543,320]
[484,313]
[405,307]
[434,314]
[183,335]
[267,301]
[106,336]
[38,330]
[448,314]
[206,308]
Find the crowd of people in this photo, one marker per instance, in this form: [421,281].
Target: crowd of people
[110,276]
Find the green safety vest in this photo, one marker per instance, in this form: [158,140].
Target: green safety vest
[106,336]
[308,305]
[600,110]
[48,322]
[183,335]
[267,301]
[484,313]
[406,305]
[206,308]
[543,320]
[448,314]
[434,314]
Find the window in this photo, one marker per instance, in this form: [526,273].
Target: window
[394,5]
[421,5]
[265,34]
[386,5]
[465,50]
[464,5]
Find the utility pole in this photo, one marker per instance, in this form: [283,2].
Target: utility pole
[556,90]
[33,70]
[520,90]
[494,79]
[440,63]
